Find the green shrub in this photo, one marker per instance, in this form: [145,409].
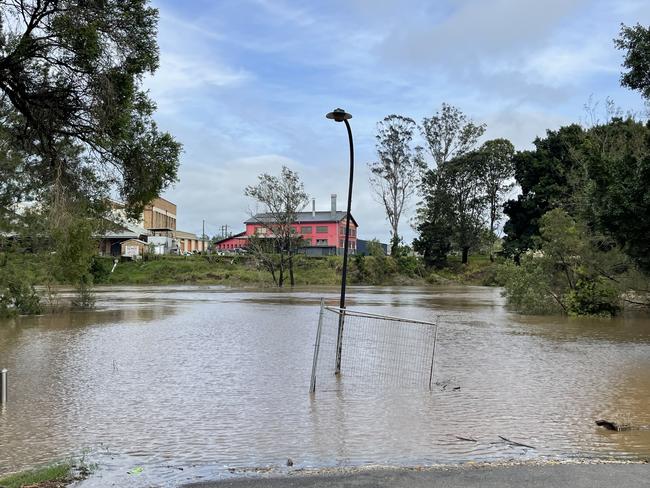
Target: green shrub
[594,297]
[410,266]
[17,292]
[100,269]
[526,287]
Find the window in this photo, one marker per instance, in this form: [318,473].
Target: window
[321,229]
[260,231]
[341,243]
[305,229]
[307,242]
[321,242]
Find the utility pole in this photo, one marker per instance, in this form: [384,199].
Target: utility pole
[203,238]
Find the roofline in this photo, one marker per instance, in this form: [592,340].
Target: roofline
[297,221]
[230,237]
[162,198]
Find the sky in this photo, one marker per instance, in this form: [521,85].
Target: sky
[245,85]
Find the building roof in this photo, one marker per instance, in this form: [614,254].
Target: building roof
[134,240]
[241,235]
[123,230]
[303,217]
[180,234]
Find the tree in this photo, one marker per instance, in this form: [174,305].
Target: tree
[548,179]
[496,171]
[282,198]
[434,219]
[448,134]
[617,162]
[600,176]
[70,77]
[465,187]
[635,40]
[394,177]
[574,272]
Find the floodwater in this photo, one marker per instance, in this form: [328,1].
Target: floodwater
[190,383]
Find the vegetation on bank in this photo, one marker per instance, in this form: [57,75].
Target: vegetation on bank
[242,270]
[54,476]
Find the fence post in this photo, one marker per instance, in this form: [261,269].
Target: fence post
[339,341]
[312,386]
[433,356]
[3,385]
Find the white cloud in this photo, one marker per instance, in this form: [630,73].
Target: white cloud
[179,73]
[245,85]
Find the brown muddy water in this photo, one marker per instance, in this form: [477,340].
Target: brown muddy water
[190,383]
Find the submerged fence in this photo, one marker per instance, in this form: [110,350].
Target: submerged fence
[375,350]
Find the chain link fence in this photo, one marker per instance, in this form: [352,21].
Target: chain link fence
[355,349]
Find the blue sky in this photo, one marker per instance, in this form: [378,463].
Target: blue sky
[245,85]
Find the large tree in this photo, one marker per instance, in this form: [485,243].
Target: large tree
[434,219]
[448,134]
[635,40]
[71,99]
[617,164]
[395,176]
[600,176]
[545,175]
[281,198]
[465,183]
[497,172]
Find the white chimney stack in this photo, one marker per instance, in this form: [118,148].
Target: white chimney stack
[333,205]
[313,207]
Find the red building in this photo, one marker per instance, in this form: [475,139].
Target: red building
[322,233]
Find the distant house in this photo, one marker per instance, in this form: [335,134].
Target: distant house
[322,232]
[110,242]
[133,248]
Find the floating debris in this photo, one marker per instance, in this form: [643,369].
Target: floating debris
[613,425]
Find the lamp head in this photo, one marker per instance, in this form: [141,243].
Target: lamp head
[339,115]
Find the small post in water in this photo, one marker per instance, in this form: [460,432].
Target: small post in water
[312,386]
[3,385]
[433,357]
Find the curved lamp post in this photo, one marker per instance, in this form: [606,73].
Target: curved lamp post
[340,115]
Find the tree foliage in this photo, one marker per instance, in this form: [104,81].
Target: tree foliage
[450,212]
[545,175]
[449,133]
[573,271]
[599,175]
[434,220]
[282,198]
[71,100]
[635,41]
[395,176]
[466,189]
[497,171]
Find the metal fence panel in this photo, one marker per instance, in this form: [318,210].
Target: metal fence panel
[376,351]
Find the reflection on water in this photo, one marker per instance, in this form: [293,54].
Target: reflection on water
[206,378]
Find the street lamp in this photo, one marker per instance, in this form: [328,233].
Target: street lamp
[340,115]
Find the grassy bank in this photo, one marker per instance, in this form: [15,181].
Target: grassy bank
[55,476]
[242,271]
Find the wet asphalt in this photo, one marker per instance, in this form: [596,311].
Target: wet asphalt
[564,475]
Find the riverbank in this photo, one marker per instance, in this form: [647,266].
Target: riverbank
[242,270]
[621,475]
[57,475]
[326,271]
